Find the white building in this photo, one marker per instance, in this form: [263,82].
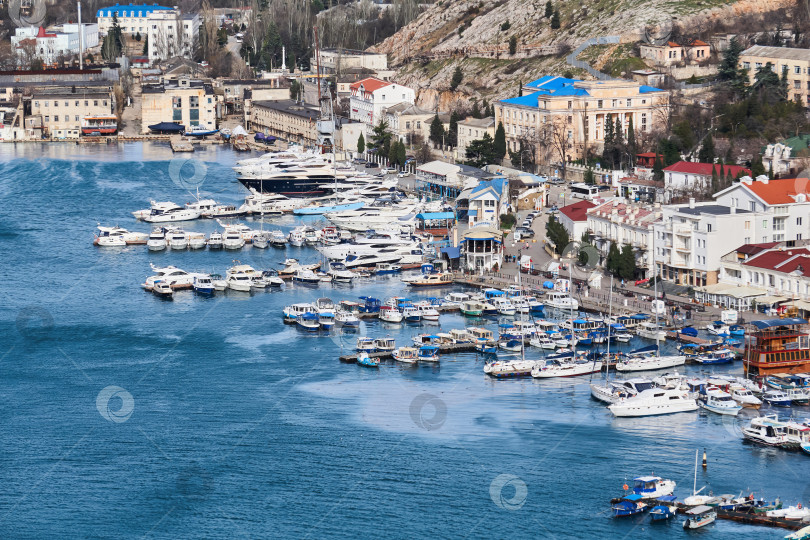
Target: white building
[371,96]
[788,156]
[685,176]
[472,129]
[785,204]
[132,18]
[482,248]
[574,218]
[168,31]
[487,201]
[619,222]
[691,239]
[32,42]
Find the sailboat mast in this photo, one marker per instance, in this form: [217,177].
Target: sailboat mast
[610,315]
[694,484]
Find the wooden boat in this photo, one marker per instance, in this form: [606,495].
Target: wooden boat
[663,512]
[432,280]
[407,355]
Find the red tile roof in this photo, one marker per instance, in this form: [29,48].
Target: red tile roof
[753,249]
[699,43]
[648,154]
[705,169]
[785,261]
[369,85]
[577,211]
[778,191]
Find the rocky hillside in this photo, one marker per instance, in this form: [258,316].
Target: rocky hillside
[475,34]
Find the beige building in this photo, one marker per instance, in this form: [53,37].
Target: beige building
[561,116]
[339,60]
[61,114]
[286,119]
[796,61]
[672,53]
[406,119]
[473,129]
[185,101]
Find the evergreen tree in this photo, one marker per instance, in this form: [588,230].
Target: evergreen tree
[607,151]
[520,88]
[715,185]
[475,112]
[555,20]
[481,152]
[456,79]
[583,255]
[500,143]
[770,171]
[658,168]
[557,234]
[436,131]
[138,37]
[706,154]
[549,9]
[392,153]
[722,174]
[613,263]
[452,132]
[670,152]
[361,144]
[512,45]
[145,50]
[401,154]
[757,168]
[381,139]
[627,263]
[588,176]
[631,142]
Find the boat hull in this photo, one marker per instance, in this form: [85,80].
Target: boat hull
[295,187]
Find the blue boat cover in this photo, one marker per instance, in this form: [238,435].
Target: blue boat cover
[639,317]
[548,284]
[667,498]
[634,497]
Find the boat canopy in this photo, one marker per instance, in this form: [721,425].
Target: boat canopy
[167,127]
[639,317]
[429,348]
[667,498]
[646,479]
[770,323]
[702,509]
[633,497]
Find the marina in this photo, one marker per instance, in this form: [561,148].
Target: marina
[219,376]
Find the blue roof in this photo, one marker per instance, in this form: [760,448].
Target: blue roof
[529,100]
[770,323]
[436,215]
[452,252]
[496,184]
[141,10]
[551,82]
[644,89]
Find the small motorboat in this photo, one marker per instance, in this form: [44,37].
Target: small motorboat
[309,321]
[260,241]
[653,487]
[630,505]
[390,314]
[511,345]
[161,289]
[363,359]
[689,331]
[387,268]
[278,239]
[215,240]
[663,512]
[407,355]
[776,398]
[365,344]
[386,344]
[428,353]
[720,402]
[699,516]
[718,328]
[801,534]
[326,320]
[203,285]
[411,314]
[272,279]
[307,277]
[346,319]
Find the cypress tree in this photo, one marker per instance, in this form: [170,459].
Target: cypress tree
[500,142]
[549,9]
[361,143]
[555,20]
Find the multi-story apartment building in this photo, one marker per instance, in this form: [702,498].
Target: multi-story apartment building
[691,238]
[63,113]
[340,60]
[168,31]
[371,96]
[185,101]
[784,203]
[406,120]
[795,61]
[286,119]
[132,18]
[620,222]
[560,116]
[685,176]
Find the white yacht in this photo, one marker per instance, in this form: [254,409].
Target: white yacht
[339,273]
[239,281]
[366,244]
[390,314]
[744,396]
[278,239]
[117,236]
[720,402]
[172,275]
[615,391]
[504,306]
[513,368]
[560,300]
[215,240]
[565,368]
[269,203]
[654,401]
[157,240]
[232,239]
[196,240]
[177,239]
[651,330]
[647,359]
[166,212]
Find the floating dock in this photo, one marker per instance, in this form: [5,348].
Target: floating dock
[179,145]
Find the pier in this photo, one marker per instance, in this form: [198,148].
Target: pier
[443,349]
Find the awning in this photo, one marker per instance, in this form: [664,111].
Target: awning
[452,252]
[801,304]
[436,215]
[770,300]
[770,323]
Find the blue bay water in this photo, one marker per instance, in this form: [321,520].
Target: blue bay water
[242,426]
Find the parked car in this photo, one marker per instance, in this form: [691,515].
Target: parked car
[403,174]
[525,232]
[605,187]
[359,161]
[371,165]
[527,223]
[552,210]
[389,171]
[557,180]
[534,214]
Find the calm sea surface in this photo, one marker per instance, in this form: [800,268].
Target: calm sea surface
[124,416]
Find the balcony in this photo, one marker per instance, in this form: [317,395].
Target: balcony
[683,230]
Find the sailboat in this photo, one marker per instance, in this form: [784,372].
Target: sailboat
[695,499]
[606,392]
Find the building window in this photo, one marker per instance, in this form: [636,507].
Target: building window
[55,103]
[599,104]
[46,103]
[76,118]
[799,221]
[752,206]
[86,103]
[193,101]
[764,223]
[95,103]
[570,104]
[36,104]
[629,102]
[47,119]
[105,102]
[570,119]
[56,118]
[708,227]
[797,70]
[177,103]
[77,103]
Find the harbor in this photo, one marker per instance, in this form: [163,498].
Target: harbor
[224,378]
